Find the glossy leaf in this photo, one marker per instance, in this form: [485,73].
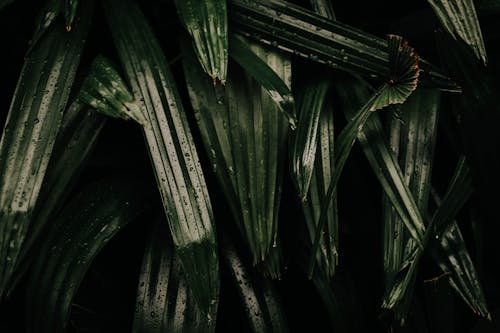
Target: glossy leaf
[206,22]
[104,90]
[263,308]
[70,7]
[80,129]
[174,158]
[305,139]
[30,131]
[244,135]
[164,301]
[412,140]
[70,245]
[44,20]
[296,30]
[404,69]
[460,19]
[323,8]
[265,75]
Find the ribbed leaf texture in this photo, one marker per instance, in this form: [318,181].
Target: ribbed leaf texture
[174,158]
[294,29]
[106,92]
[82,229]
[80,129]
[206,22]
[32,124]
[164,301]
[244,135]
[459,18]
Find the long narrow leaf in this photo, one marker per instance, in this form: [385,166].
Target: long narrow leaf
[70,7]
[171,147]
[82,229]
[412,139]
[164,301]
[206,22]
[44,20]
[460,19]
[263,308]
[277,88]
[294,29]
[305,139]
[79,131]
[404,77]
[30,131]
[244,135]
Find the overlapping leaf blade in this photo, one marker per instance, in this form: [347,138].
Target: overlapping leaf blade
[79,131]
[460,19]
[278,90]
[206,22]
[70,7]
[261,303]
[404,78]
[164,301]
[412,139]
[82,229]
[390,176]
[171,147]
[294,29]
[44,20]
[104,90]
[30,131]
[244,135]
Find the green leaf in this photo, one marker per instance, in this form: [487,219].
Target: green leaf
[164,301]
[175,160]
[30,131]
[264,74]
[404,77]
[206,22]
[448,247]
[104,90]
[304,140]
[460,19]
[412,140]
[72,242]
[70,7]
[77,136]
[296,30]
[44,20]
[244,136]
[262,305]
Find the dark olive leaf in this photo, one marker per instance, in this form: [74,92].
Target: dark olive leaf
[77,136]
[164,301]
[321,174]
[171,147]
[244,136]
[82,229]
[4,3]
[263,308]
[304,140]
[206,22]
[448,246]
[412,140]
[263,73]
[460,19]
[70,7]
[44,20]
[30,131]
[404,73]
[104,90]
[323,8]
[294,29]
